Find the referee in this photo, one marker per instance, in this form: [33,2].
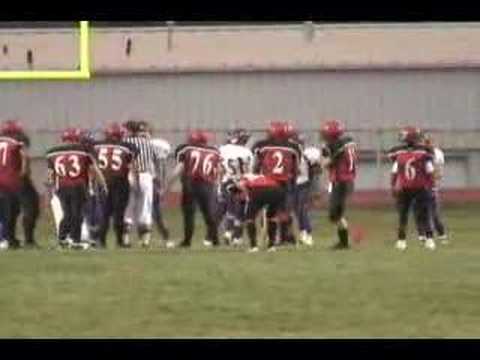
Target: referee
[140,204]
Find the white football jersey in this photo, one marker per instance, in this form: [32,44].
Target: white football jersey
[163,150]
[236,160]
[162,146]
[439,163]
[311,156]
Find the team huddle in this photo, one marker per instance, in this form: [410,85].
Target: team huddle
[123,178]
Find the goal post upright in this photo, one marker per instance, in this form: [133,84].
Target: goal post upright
[82,74]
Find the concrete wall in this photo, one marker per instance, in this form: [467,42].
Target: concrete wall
[448,101]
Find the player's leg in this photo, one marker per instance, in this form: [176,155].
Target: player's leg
[130,214]
[229,218]
[30,205]
[64,227]
[119,202]
[206,200]
[423,200]
[57,211]
[438,224]
[337,205]
[158,216]
[108,209]
[77,207]
[405,200]
[11,212]
[302,203]
[146,206]
[418,223]
[286,226]
[239,211]
[188,213]
[252,207]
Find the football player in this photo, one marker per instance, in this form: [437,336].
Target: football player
[256,192]
[411,182]
[339,157]
[29,198]
[198,167]
[438,163]
[115,159]
[13,169]
[278,158]
[70,167]
[237,160]
[309,169]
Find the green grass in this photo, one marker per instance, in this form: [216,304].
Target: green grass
[371,291]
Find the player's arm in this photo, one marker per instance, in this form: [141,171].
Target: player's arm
[96,173]
[439,164]
[393,179]
[325,157]
[25,163]
[172,178]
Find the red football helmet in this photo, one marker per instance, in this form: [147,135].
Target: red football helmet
[11,127]
[72,135]
[410,135]
[198,137]
[115,132]
[332,130]
[291,131]
[279,130]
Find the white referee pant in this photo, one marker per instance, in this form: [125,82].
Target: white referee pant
[140,203]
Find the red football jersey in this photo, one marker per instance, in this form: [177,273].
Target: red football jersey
[279,161]
[10,164]
[344,161]
[414,170]
[201,162]
[114,159]
[71,164]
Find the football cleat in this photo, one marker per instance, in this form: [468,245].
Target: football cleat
[228,236]
[80,246]
[170,244]
[430,244]
[422,239]
[272,249]
[253,249]
[207,243]
[340,246]
[401,245]
[306,238]
[443,239]
[3,245]
[237,242]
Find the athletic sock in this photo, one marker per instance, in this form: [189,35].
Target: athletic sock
[252,234]
[272,232]
[343,236]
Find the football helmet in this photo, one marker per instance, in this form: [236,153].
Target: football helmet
[11,127]
[331,130]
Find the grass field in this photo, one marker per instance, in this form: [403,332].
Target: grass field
[371,291]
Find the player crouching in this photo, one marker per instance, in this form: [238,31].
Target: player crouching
[411,180]
[257,192]
[339,156]
[237,160]
[70,167]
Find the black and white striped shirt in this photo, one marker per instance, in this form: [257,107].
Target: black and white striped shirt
[148,154]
